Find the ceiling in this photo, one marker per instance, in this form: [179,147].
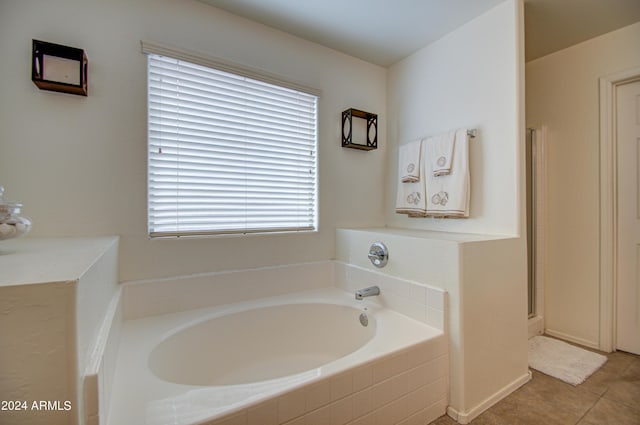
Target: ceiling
[385,31]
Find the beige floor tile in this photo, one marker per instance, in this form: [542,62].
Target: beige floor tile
[491,418]
[626,388]
[625,392]
[444,420]
[633,371]
[610,396]
[607,412]
[546,400]
[611,371]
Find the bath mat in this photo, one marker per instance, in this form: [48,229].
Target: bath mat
[566,362]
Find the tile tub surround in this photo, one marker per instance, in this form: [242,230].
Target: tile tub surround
[404,388]
[414,376]
[151,297]
[54,294]
[100,370]
[416,300]
[170,295]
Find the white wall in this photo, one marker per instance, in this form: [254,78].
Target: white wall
[474,78]
[469,78]
[79,164]
[485,280]
[562,94]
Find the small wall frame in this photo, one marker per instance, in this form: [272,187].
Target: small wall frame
[369,130]
[59,68]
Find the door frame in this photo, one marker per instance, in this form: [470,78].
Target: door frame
[608,204]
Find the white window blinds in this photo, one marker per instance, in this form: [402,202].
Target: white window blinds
[228,153]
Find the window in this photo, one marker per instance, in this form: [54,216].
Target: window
[227,153]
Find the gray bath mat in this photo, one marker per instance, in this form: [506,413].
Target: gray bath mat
[566,362]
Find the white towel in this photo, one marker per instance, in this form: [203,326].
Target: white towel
[410,198]
[409,161]
[440,152]
[449,195]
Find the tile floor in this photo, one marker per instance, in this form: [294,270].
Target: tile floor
[610,396]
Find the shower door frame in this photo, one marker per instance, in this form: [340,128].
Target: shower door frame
[536,224]
[532,222]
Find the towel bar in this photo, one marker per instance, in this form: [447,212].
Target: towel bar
[472,132]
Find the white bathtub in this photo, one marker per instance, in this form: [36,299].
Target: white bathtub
[281,360]
[260,344]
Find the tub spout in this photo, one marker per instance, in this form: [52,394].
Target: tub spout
[367,292]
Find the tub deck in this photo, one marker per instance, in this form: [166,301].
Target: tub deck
[401,373]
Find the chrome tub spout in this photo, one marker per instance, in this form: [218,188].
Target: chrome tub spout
[367,292]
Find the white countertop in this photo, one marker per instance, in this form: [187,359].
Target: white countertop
[25,261]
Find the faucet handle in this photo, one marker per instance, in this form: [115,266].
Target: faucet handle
[378,254]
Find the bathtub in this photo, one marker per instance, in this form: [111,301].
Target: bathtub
[261,343]
[314,356]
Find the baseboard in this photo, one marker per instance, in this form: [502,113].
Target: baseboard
[570,338]
[466,417]
[536,326]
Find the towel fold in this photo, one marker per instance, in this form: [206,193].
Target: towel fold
[440,152]
[448,195]
[409,161]
[411,198]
